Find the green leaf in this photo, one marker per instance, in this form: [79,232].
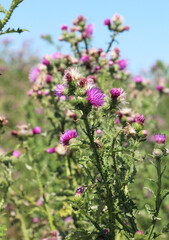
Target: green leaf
[12,30]
[2,9]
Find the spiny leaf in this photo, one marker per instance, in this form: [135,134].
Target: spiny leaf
[12,30]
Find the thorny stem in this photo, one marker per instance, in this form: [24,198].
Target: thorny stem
[86,45]
[98,164]
[23,226]
[158,199]
[77,49]
[109,193]
[113,39]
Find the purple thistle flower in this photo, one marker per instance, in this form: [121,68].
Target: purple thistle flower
[84,58]
[115,93]
[79,191]
[16,154]
[33,74]
[51,150]
[67,136]
[45,61]
[138,79]
[59,90]
[68,219]
[160,138]
[35,220]
[89,30]
[159,88]
[37,130]
[57,55]
[48,78]
[140,119]
[107,22]
[64,27]
[106,231]
[122,64]
[95,97]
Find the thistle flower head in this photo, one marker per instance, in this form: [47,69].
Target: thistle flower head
[89,30]
[159,88]
[140,119]
[59,90]
[107,22]
[117,18]
[122,64]
[37,130]
[16,154]
[95,97]
[116,92]
[84,58]
[160,138]
[67,136]
[33,74]
[71,74]
[138,79]
[79,190]
[64,27]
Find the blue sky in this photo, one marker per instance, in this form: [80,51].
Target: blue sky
[147,40]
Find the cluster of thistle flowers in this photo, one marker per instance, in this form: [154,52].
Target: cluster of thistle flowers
[115,24]
[45,74]
[91,57]
[84,95]
[92,60]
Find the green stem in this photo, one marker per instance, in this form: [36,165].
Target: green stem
[113,39]
[48,212]
[158,199]
[111,210]
[78,51]
[23,226]
[98,164]
[86,45]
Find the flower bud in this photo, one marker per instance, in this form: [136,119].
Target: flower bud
[51,150]
[137,126]
[37,130]
[158,153]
